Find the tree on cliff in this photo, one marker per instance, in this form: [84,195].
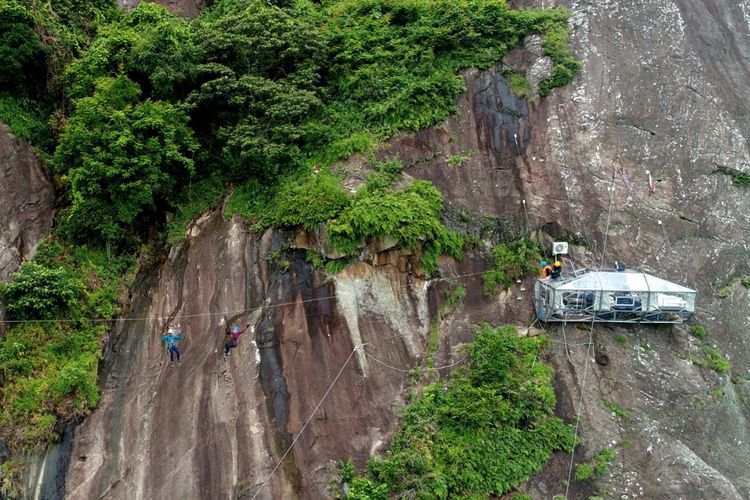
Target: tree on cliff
[123,160]
[22,53]
[152,47]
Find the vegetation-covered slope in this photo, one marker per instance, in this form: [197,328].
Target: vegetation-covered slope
[480,433]
[271,93]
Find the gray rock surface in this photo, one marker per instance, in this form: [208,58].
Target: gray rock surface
[27,199]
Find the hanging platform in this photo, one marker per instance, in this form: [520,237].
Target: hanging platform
[612,296]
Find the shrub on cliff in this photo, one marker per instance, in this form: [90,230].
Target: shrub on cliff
[48,369]
[513,260]
[40,292]
[410,215]
[566,66]
[478,434]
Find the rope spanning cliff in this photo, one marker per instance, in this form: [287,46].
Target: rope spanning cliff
[219,313]
[307,422]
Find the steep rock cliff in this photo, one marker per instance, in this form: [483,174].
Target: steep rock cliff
[663,88]
[210,427]
[27,200]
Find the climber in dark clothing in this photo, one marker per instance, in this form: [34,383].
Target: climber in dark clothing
[171,341]
[556,270]
[234,333]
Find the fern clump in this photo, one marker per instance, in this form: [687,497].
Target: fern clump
[411,215]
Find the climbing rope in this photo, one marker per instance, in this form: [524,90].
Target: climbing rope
[401,370]
[307,422]
[566,345]
[360,347]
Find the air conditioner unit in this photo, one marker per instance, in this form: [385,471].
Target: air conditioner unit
[560,248]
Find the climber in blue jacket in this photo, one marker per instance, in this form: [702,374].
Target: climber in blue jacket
[171,340]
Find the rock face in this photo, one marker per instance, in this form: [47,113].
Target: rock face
[664,89]
[213,428]
[27,200]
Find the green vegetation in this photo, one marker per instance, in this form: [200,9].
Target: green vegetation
[519,85]
[411,215]
[320,261]
[714,359]
[26,119]
[306,201]
[512,261]
[123,160]
[22,53]
[150,46]
[616,409]
[197,198]
[10,478]
[268,92]
[739,178]
[37,39]
[597,467]
[40,292]
[48,369]
[461,158]
[698,331]
[726,290]
[480,433]
[397,60]
[565,64]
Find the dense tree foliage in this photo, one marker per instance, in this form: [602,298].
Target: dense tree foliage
[513,261]
[274,89]
[152,47]
[259,85]
[122,158]
[48,368]
[37,40]
[39,292]
[22,53]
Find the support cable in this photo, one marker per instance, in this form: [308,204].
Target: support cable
[307,422]
[590,345]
